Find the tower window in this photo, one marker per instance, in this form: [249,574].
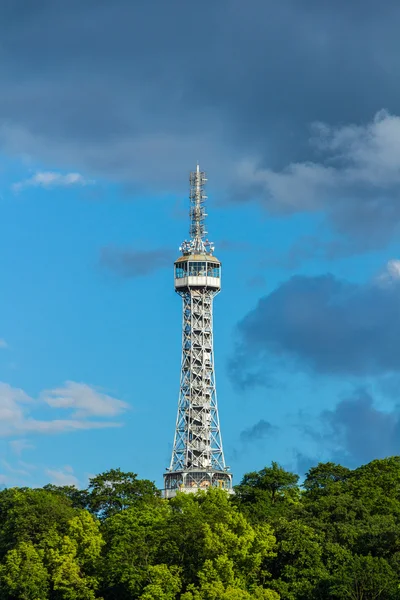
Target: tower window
[213,269]
[181,270]
[197,269]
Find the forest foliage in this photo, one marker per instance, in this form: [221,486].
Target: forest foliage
[337,536]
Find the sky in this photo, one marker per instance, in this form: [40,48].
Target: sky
[293,110]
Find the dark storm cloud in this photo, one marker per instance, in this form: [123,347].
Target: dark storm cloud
[354,184]
[356,431]
[304,462]
[139,91]
[129,263]
[311,247]
[256,432]
[325,324]
[245,374]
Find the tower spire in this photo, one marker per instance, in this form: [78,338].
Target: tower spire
[197,460]
[197,231]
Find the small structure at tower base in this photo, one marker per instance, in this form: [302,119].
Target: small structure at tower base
[191,481]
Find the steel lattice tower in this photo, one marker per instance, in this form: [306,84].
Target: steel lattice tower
[197,460]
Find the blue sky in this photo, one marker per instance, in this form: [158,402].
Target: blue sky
[299,134]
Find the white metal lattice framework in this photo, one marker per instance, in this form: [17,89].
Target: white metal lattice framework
[197,457]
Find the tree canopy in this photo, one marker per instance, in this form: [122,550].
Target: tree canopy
[336,536]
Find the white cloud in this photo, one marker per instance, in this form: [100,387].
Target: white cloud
[13,470]
[85,400]
[298,187]
[16,474]
[62,476]
[16,406]
[18,446]
[51,179]
[390,274]
[393,268]
[60,425]
[3,343]
[27,466]
[352,157]
[11,409]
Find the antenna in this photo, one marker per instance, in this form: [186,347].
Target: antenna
[197,231]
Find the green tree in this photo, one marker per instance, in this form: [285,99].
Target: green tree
[23,575]
[26,515]
[365,578]
[338,538]
[298,570]
[227,553]
[377,484]
[114,490]
[212,587]
[268,494]
[321,479]
[78,498]
[73,559]
[164,583]
[136,539]
[358,509]
[184,544]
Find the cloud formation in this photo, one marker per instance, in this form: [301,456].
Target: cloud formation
[3,343]
[18,446]
[308,247]
[356,431]
[355,182]
[256,432]
[14,470]
[325,324]
[63,476]
[87,402]
[51,179]
[136,110]
[130,263]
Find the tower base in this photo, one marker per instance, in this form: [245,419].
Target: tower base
[191,481]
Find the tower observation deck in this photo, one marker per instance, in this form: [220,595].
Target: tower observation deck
[197,460]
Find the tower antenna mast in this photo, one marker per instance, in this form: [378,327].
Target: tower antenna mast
[197,231]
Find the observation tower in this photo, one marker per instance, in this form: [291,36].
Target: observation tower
[197,460]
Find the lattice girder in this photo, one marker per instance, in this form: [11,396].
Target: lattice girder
[197,441]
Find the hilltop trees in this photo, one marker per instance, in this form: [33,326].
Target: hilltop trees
[336,537]
[114,491]
[271,492]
